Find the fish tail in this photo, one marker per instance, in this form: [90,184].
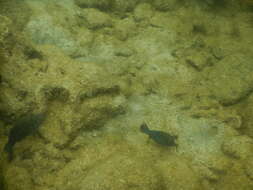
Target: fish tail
[144,128]
[8,149]
[10,155]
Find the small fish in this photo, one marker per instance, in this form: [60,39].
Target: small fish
[23,127]
[159,137]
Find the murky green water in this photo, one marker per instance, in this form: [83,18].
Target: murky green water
[96,70]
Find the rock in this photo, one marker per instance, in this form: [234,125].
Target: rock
[142,12]
[95,19]
[74,97]
[160,20]
[173,170]
[85,58]
[55,25]
[236,178]
[100,4]
[55,93]
[214,170]
[119,6]
[84,100]
[230,80]
[245,110]
[54,35]
[96,111]
[248,168]
[199,60]
[5,24]
[125,28]
[4,27]
[86,37]
[124,51]
[143,177]
[122,6]
[21,180]
[164,5]
[239,147]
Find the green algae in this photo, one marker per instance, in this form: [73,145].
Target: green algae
[184,67]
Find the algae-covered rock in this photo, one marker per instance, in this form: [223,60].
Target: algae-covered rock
[129,174]
[4,27]
[125,28]
[237,179]
[164,5]
[101,4]
[46,26]
[17,178]
[17,11]
[100,68]
[55,35]
[81,97]
[95,19]
[248,167]
[108,5]
[245,110]
[174,170]
[75,100]
[230,80]
[239,147]
[143,11]
[124,6]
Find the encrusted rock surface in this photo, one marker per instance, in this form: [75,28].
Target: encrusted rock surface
[99,69]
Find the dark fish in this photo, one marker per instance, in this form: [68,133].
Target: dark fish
[23,127]
[159,137]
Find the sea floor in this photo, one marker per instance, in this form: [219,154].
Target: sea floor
[97,70]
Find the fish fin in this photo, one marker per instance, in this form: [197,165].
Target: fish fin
[10,155]
[144,128]
[8,149]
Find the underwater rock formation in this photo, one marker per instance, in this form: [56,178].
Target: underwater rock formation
[165,5]
[108,5]
[101,68]
[103,4]
[95,19]
[4,31]
[4,27]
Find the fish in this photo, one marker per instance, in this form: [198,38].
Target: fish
[24,126]
[160,137]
